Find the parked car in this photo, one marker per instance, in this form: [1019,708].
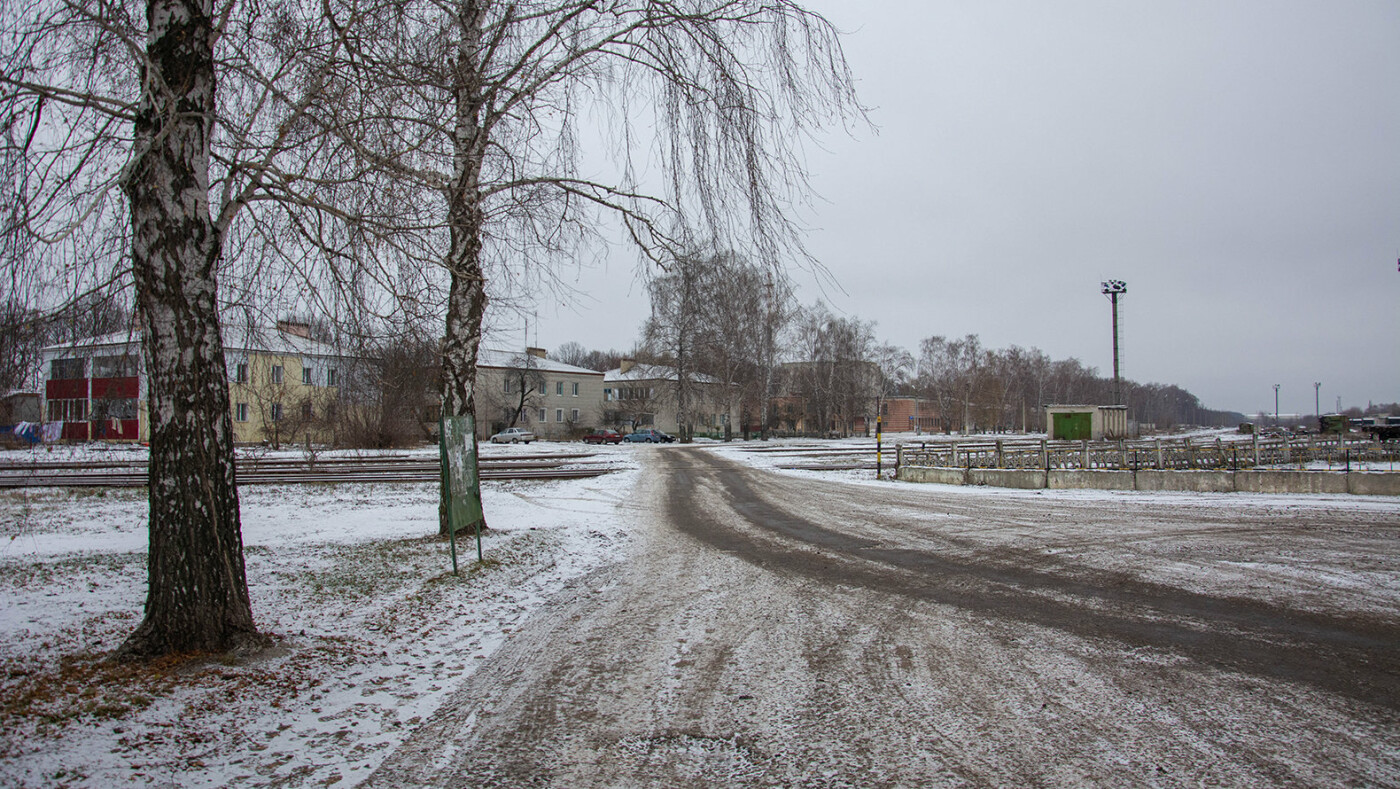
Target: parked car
[603,437]
[649,436]
[513,435]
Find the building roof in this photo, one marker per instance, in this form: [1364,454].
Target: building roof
[236,338]
[655,372]
[515,360]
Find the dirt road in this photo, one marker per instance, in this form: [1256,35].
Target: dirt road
[776,631]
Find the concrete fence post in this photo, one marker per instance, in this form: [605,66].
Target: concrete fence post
[1084,454]
[1161,461]
[1000,456]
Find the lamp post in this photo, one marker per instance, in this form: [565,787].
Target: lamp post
[1317,398]
[1275,405]
[1114,288]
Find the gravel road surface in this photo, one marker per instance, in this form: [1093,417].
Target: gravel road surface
[772,630]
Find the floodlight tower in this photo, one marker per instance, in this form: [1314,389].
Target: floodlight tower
[1113,289]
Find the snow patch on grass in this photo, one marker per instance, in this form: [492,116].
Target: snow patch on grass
[371,630]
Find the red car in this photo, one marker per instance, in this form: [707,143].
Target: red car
[603,437]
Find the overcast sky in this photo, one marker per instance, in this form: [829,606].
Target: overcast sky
[1236,163]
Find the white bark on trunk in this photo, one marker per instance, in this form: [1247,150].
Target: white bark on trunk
[466,300]
[197,598]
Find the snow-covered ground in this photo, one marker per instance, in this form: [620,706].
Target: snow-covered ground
[373,633]
[372,630]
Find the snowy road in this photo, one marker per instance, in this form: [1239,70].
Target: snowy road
[770,631]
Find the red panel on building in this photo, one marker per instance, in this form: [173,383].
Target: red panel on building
[67,389]
[115,387]
[75,431]
[117,429]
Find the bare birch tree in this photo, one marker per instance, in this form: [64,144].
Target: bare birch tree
[469,123]
[676,327]
[139,138]
[724,315]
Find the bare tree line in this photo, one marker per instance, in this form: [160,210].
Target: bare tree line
[713,315]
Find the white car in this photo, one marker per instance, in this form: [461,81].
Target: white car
[512,435]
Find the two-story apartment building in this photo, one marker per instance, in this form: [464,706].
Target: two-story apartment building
[554,400]
[282,385]
[648,395]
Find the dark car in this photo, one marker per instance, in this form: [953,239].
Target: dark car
[603,437]
[649,436]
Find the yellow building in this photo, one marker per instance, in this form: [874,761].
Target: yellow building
[283,386]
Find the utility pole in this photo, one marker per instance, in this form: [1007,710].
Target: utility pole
[1317,398]
[1113,289]
[1275,405]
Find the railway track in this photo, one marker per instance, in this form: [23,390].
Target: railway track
[297,472]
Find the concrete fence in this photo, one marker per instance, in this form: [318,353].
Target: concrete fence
[1208,466]
[1366,483]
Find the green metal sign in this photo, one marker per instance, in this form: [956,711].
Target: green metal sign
[457,445]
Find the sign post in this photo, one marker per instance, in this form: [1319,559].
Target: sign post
[457,447]
[879,425]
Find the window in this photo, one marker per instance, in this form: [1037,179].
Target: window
[575,385]
[559,415]
[123,366]
[66,369]
[306,410]
[276,408]
[277,373]
[240,411]
[240,373]
[559,388]
[114,408]
[330,376]
[607,395]
[508,381]
[306,375]
[573,415]
[544,417]
[67,410]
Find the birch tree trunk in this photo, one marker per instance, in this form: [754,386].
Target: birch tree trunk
[197,597]
[466,296]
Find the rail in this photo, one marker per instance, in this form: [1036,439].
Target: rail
[357,470]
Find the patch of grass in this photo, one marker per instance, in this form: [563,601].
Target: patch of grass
[486,563]
[80,686]
[367,570]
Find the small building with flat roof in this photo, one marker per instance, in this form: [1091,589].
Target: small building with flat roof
[1086,422]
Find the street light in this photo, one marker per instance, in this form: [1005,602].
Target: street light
[1113,288]
[1275,405]
[1317,398]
